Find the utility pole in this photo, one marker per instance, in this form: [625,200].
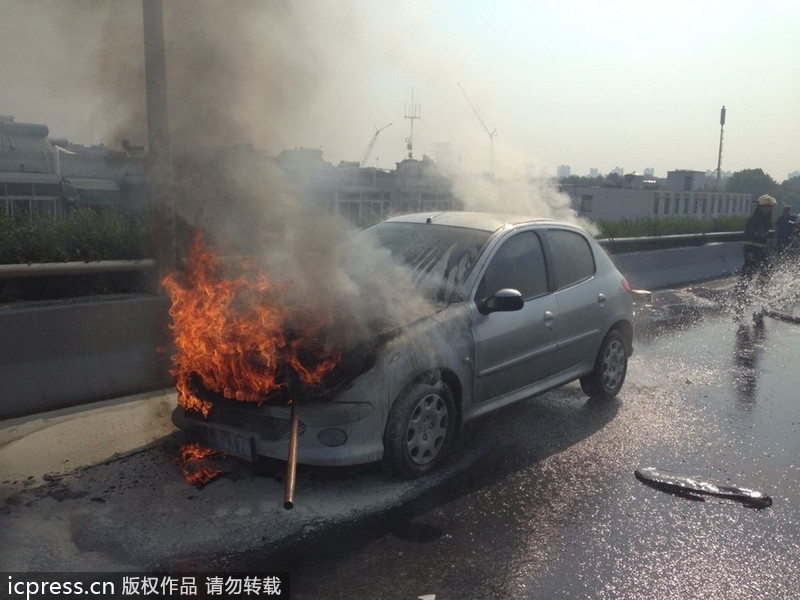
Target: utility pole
[159,174]
[721,129]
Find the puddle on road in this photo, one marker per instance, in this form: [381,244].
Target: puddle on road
[737,379]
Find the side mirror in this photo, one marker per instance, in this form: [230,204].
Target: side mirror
[505,300]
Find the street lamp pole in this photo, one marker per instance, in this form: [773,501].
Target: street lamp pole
[162,206]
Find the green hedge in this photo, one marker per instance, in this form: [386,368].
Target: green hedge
[654,226]
[85,234]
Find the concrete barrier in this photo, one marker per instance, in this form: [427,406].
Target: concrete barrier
[59,354]
[655,269]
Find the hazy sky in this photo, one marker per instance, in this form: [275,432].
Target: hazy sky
[586,83]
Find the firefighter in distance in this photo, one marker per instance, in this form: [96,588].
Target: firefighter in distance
[756,245]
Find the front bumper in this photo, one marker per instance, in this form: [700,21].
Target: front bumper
[330,433]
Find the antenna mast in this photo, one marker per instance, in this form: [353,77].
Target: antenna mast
[491,133]
[721,130]
[412,113]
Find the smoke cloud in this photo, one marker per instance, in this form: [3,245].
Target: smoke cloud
[276,75]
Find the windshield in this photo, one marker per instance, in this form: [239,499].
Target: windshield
[440,258]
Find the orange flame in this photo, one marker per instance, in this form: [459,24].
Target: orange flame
[233,335]
[192,458]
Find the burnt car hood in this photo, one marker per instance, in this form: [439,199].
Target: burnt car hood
[354,361]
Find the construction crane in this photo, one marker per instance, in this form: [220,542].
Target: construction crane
[371,145]
[490,133]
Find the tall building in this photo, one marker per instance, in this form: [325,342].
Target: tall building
[686,181]
[563,171]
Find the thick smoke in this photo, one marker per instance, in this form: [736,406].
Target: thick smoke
[272,75]
[263,75]
[329,270]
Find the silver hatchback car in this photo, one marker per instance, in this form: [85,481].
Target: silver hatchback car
[523,305]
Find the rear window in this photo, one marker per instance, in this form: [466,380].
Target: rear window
[573,258]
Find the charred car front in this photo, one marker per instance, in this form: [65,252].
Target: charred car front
[517,306]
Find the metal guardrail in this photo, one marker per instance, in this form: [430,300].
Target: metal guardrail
[76,268]
[660,242]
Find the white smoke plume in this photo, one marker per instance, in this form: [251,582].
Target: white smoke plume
[275,75]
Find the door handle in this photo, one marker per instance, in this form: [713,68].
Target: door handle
[601,299]
[548,318]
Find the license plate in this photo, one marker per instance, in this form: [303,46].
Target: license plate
[235,444]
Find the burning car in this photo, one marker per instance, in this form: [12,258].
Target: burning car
[510,307]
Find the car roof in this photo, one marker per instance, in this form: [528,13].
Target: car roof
[471,220]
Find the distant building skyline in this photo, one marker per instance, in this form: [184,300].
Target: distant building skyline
[102,161]
[558,88]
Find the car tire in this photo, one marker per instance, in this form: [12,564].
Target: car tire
[610,367]
[420,429]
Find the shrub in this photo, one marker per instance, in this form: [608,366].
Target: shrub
[656,226]
[84,234]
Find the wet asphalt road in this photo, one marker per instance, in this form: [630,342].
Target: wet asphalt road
[538,501]
[554,510]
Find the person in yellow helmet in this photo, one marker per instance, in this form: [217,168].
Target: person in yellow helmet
[756,245]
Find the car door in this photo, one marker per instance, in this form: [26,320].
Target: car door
[514,349]
[579,296]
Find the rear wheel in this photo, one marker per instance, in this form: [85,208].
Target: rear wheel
[606,380]
[420,429]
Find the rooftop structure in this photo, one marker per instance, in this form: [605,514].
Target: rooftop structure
[25,147]
[39,174]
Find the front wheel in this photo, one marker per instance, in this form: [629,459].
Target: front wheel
[420,429]
[606,380]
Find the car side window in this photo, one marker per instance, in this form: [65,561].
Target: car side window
[573,258]
[518,264]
